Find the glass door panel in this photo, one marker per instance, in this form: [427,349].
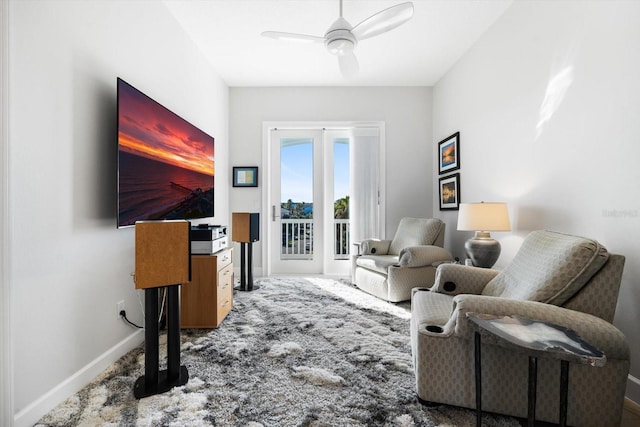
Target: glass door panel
[296,228]
[336,195]
[341,198]
[296,198]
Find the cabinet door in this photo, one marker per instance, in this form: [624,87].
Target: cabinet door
[198,297]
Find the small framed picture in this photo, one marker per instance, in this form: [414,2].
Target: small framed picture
[449,154]
[450,192]
[245,176]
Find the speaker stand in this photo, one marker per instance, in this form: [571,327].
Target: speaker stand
[246,265]
[155,381]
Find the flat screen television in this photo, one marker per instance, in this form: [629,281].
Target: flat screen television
[165,164]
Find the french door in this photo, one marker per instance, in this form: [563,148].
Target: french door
[297,203]
[309,199]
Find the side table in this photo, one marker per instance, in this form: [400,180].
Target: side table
[536,339]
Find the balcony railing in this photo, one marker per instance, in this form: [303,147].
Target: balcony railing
[297,239]
[341,239]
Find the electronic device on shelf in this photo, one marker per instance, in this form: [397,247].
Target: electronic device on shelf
[208,239]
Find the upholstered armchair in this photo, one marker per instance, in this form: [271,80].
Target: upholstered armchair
[389,269]
[567,280]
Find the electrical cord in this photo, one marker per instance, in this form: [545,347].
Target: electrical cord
[123,315]
[164,296]
[162,305]
[164,299]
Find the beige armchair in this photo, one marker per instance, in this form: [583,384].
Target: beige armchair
[567,280]
[389,269]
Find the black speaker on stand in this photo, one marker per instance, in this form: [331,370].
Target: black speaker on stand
[245,229]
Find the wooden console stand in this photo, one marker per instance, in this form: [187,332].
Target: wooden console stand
[207,299]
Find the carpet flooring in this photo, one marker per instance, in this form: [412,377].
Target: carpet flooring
[295,352]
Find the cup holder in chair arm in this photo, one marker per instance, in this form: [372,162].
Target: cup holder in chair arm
[441,331]
[449,286]
[434,329]
[419,289]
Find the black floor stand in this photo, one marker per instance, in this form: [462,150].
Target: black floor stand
[246,272]
[155,381]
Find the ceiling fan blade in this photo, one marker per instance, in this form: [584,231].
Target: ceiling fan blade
[383,21]
[293,37]
[348,65]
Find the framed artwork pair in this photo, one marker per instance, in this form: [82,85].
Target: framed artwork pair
[448,161]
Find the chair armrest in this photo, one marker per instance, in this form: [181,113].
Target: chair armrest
[374,247]
[455,279]
[357,246]
[423,255]
[598,332]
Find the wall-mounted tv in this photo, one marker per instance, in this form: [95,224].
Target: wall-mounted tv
[165,164]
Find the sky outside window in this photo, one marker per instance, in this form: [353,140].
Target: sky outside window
[340,168]
[296,169]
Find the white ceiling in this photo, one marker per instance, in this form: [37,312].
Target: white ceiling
[418,53]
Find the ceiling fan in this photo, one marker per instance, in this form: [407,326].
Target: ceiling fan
[341,38]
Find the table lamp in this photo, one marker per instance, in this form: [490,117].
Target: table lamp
[482,218]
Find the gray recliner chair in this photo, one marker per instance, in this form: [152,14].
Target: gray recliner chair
[389,269]
[567,280]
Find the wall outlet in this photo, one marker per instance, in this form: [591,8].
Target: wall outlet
[119,308]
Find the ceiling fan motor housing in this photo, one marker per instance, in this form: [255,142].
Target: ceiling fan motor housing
[339,39]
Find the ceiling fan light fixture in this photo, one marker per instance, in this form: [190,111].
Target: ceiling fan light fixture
[340,47]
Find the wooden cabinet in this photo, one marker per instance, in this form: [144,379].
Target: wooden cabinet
[207,299]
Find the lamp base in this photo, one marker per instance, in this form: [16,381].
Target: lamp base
[482,249]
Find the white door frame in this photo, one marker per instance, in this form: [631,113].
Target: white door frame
[6,365]
[303,125]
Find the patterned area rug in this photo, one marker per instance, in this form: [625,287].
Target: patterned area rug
[295,352]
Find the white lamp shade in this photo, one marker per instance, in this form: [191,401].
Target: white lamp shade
[483,217]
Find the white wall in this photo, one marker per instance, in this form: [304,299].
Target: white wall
[69,264]
[547,104]
[406,112]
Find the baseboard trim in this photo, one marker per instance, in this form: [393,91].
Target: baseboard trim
[631,406]
[37,409]
[632,393]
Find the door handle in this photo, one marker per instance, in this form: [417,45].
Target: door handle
[273,213]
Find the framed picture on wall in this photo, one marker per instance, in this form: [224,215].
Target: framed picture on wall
[449,154]
[450,192]
[245,176]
